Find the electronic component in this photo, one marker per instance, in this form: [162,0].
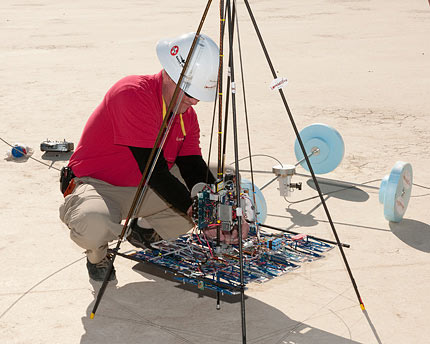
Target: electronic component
[57,146]
[219,208]
[191,259]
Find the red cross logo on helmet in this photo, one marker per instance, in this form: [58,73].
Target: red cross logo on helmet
[174,50]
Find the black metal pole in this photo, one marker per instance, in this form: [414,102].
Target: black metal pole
[299,139]
[227,98]
[247,123]
[152,160]
[220,98]
[220,86]
[236,159]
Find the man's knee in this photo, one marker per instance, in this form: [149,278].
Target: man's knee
[92,228]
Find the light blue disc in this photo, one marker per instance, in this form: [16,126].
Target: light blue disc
[260,203]
[396,190]
[383,188]
[330,145]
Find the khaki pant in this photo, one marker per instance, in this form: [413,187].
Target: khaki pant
[94,211]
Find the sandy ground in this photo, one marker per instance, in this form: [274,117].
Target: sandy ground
[361,66]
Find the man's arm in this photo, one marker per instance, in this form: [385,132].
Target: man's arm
[162,181]
[194,170]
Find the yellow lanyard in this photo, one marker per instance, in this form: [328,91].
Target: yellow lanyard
[180,115]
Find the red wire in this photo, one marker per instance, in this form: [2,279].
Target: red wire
[210,250]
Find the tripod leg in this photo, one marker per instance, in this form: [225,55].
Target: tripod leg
[339,244]
[152,160]
[231,17]
[105,281]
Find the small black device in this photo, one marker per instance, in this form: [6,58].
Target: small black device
[65,177]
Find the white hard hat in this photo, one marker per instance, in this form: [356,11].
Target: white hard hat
[200,80]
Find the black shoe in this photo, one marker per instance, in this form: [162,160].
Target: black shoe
[142,237]
[98,271]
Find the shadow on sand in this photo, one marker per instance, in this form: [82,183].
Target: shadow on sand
[414,233]
[162,310]
[347,193]
[57,156]
[344,192]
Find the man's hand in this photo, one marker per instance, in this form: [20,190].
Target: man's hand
[190,211]
[228,237]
